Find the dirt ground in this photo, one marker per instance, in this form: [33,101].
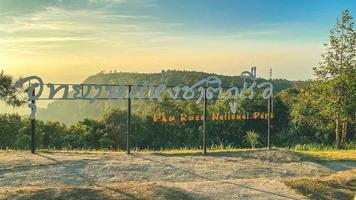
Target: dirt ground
[252,174]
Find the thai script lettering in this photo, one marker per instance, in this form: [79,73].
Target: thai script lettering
[209,88]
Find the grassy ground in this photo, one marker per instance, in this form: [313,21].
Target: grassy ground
[330,155]
[341,185]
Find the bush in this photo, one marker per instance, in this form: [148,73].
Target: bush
[23,141]
[252,138]
[105,142]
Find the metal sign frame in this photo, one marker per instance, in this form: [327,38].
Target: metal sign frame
[154,92]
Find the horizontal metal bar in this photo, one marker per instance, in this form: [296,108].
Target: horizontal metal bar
[43,99]
[116,99]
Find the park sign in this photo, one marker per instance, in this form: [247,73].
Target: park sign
[206,89]
[210,88]
[215,116]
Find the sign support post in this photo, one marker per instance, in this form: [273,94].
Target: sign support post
[269,124]
[204,122]
[128,121]
[269,113]
[33,126]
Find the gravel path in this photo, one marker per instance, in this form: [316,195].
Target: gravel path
[251,174]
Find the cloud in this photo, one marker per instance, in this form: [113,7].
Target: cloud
[140,3]
[44,39]
[107,1]
[62,28]
[54,19]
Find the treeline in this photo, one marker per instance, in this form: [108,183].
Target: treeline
[290,126]
[110,130]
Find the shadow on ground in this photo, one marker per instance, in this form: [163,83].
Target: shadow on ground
[55,193]
[127,191]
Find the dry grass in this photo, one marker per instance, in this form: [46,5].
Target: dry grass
[341,185]
[331,155]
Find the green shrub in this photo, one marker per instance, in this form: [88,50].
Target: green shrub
[105,142]
[252,138]
[23,141]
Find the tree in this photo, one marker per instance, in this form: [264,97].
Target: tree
[335,91]
[8,92]
[105,141]
[311,119]
[116,128]
[10,128]
[23,141]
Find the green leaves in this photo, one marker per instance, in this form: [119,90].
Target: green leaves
[331,96]
[337,71]
[8,92]
[252,138]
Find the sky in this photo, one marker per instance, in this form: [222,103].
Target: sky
[68,40]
